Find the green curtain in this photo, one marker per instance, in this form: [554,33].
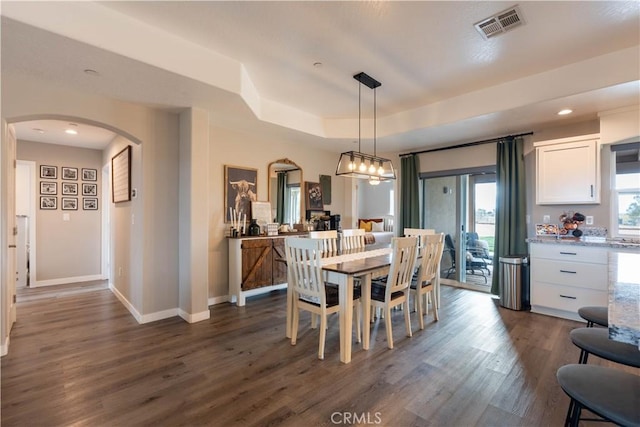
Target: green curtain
[511,228]
[409,193]
[280,205]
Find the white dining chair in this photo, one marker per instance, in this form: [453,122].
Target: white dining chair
[395,290]
[310,292]
[424,282]
[419,232]
[353,238]
[329,239]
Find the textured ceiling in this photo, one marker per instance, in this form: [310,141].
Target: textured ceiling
[442,82]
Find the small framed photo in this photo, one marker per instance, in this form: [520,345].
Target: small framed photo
[69,189]
[89,174]
[48,202]
[48,172]
[70,173]
[48,187]
[69,203]
[89,189]
[90,203]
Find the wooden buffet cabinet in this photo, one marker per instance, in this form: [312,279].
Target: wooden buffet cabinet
[253,266]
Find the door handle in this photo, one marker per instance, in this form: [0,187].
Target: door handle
[12,246]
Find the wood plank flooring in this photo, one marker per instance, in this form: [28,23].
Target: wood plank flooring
[83,360]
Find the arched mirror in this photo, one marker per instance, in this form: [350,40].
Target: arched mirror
[285,196]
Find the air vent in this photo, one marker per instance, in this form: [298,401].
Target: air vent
[500,23]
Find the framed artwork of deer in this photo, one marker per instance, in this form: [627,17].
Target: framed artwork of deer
[240,189]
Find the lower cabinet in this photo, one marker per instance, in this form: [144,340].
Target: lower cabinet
[254,266]
[567,277]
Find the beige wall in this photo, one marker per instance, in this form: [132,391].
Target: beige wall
[150,242]
[240,149]
[65,250]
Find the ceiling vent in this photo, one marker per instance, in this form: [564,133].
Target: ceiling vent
[500,22]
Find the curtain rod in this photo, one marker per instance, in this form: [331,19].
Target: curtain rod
[466,144]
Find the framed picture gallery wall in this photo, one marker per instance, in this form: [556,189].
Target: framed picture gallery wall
[66,183]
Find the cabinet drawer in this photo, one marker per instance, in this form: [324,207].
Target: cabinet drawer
[557,251]
[576,274]
[566,297]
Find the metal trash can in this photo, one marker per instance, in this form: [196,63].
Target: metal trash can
[514,282]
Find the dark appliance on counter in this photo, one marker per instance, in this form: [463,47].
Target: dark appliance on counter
[334,222]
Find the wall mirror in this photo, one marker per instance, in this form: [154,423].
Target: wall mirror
[285,180]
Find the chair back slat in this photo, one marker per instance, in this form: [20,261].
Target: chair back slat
[329,239]
[305,268]
[404,255]
[353,238]
[422,233]
[431,254]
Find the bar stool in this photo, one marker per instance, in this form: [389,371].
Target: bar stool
[596,341]
[595,314]
[607,392]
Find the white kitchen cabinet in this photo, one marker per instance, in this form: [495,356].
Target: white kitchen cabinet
[568,170]
[567,277]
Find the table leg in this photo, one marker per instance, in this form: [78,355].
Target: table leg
[346,317]
[289,311]
[365,299]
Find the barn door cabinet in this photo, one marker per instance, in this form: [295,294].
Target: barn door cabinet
[568,170]
[254,267]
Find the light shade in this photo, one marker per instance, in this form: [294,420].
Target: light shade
[350,161]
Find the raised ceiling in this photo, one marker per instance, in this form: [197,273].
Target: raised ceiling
[252,63]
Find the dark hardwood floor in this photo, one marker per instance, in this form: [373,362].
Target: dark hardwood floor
[84,360]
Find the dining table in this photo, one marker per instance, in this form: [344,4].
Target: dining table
[342,268]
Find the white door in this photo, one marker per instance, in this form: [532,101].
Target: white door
[11,229]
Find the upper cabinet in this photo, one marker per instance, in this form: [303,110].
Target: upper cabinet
[568,170]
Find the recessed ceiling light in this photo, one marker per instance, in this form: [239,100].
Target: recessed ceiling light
[72,130]
[38,130]
[317,64]
[565,112]
[91,72]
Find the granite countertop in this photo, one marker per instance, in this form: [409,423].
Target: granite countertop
[588,241]
[624,297]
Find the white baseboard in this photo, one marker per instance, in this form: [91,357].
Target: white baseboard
[126,303]
[158,315]
[193,318]
[65,280]
[219,300]
[4,347]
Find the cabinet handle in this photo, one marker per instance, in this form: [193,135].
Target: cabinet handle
[591,190]
[567,296]
[568,253]
[568,271]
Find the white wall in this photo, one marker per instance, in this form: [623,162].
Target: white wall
[67,250]
[374,201]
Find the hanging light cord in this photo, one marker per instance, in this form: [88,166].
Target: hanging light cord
[375,108]
[359,116]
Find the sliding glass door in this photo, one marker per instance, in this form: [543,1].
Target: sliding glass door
[462,206]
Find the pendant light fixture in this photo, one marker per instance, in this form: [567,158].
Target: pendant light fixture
[357,164]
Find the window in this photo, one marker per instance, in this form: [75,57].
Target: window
[292,214]
[626,191]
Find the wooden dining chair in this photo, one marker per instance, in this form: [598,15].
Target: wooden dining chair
[423,284]
[310,292]
[329,239]
[395,290]
[353,238]
[422,233]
